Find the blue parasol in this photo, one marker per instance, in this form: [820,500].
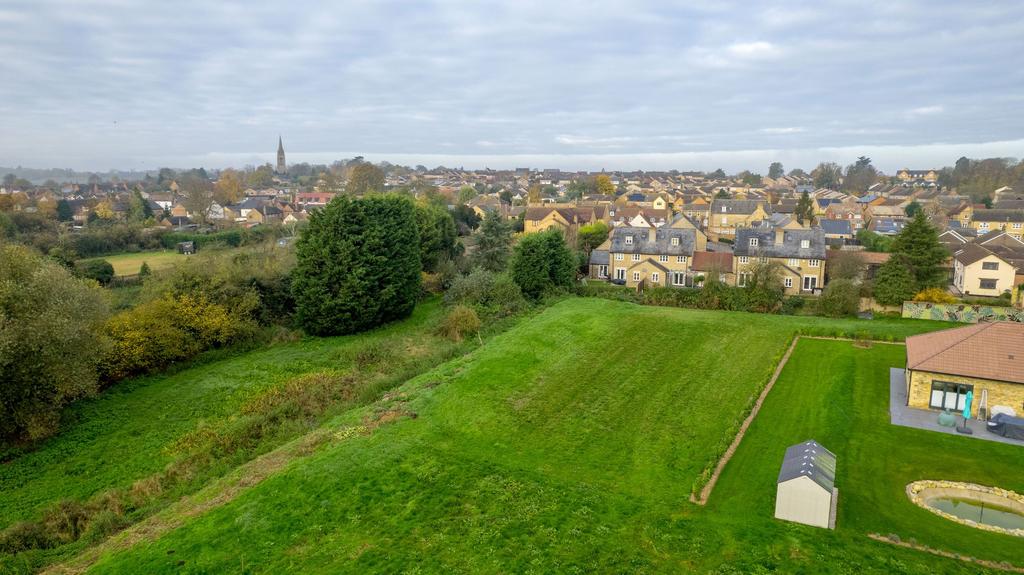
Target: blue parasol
[967,404]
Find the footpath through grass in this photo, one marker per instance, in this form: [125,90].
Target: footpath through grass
[126,432]
[567,444]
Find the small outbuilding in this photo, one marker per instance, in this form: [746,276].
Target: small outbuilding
[806,492]
[187,247]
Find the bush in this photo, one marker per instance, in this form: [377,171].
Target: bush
[840,297]
[935,295]
[356,265]
[460,322]
[99,270]
[158,333]
[893,283]
[50,342]
[792,304]
[541,262]
[493,295]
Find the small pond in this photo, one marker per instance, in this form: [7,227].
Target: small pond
[979,506]
[979,512]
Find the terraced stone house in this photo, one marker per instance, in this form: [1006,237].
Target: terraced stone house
[800,252]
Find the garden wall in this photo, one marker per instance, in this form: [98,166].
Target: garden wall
[963,313]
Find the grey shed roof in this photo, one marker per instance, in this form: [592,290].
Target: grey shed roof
[809,459]
[789,247]
[599,257]
[653,241]
[836,227]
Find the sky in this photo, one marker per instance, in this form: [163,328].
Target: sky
[95,85]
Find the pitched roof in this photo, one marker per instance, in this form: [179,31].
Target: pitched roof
[984,350]
[706,261]
[809,459]
[789,247]
[970,253]
[653,241]
[836,227]
[998,216]
[736,206]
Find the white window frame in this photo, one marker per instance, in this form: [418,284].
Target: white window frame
[744,259]
[663,258]
[680,259]
[636,276]
[679,278]
[655,277]
[787,282]
[636,257]
[810,283]
[602,271]
[620,274]
[813,263]
[793,262]
[675,241]
[741,279]
[619,257]
[804,244]
[753,242]
[629,240]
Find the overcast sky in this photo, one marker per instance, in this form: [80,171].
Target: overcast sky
[574,85]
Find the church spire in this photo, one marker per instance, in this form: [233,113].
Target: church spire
[281,167]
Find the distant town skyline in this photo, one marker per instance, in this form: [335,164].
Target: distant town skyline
[98,84]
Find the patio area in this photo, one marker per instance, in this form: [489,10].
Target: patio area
[901,414]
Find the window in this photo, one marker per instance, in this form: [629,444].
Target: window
[662,258]
[655,277]
[744,259]
[675,241]
[988,284]
[636,276]
[983,226]
[794,263]
[788,282]
[1017,226]
[629,240]
[620,274]
[804,244]
[723,210]
[636,257]
[678,278]
[989,265]
[762,259]
[753,242]
[681,259]
[618,257]
[602,271]
[814,263]
[810,282]
[741,280]
[949,395]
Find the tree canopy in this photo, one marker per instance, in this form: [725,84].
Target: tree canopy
[542,262]
[493,242]
[919,247]
[365,178]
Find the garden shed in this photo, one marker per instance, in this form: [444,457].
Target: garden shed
[805,492]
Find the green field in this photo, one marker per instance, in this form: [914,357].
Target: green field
[571,443]
[128,264]
[125,433]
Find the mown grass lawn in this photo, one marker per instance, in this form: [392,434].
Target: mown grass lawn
[128,264]
[838,394]
[123,434]
[568,444]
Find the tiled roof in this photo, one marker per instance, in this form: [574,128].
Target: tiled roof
[998,216]
[706,261]
[985,350]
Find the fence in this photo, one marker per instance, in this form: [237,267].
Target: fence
[958,312]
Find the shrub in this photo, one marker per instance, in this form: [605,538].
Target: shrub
[99,270]
[935,295]
[50,340]
[355,267]
[144,271]
[894,283]
[792,304]
[492,294]
[158,333]
[541,262]
[460,322]
[840,297]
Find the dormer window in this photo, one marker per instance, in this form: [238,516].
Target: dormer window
[753,242]
[804,244]
[629,240]
[675,241]
[724,209]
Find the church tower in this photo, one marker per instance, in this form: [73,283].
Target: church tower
[281,168]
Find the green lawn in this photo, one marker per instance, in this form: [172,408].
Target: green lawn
[838,394]
[128,264]
[123,434]
[570,444]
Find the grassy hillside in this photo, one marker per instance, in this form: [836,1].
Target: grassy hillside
[127,432]
[128,264]
[568,444]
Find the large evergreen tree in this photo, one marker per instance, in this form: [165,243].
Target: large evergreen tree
[893,283]
[358,265]
[494,241]
[804,211]
[438,235]
[542,262]
[919,247]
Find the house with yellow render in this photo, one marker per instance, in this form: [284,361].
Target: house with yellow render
[986,359]
[651,256]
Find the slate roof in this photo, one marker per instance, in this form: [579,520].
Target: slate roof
[809,459]
[736,206]
[985,350]
[599,257]
[653,241]
[789,247]
[836,227]
[998,216]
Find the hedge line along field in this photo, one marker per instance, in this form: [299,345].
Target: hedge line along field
[569,443]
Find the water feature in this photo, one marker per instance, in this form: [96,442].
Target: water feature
[979,512]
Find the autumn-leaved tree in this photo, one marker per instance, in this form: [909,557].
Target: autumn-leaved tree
[229,187]
[604,185]
[363,179]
